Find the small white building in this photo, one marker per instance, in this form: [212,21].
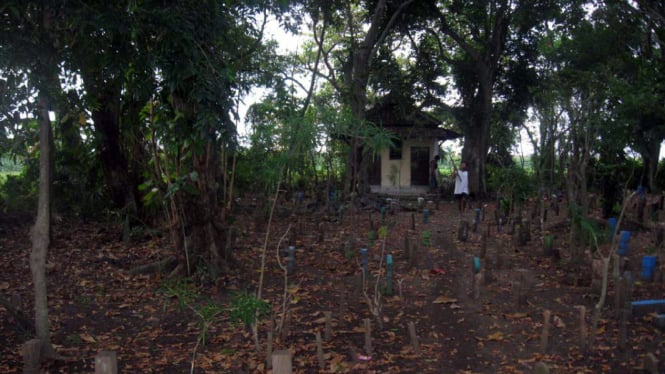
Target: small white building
[404,168]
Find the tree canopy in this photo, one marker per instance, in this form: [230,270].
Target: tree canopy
[144,97]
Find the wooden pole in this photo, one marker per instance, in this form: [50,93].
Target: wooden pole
[32,356]
[281,362]
[106,362]
[269,350]
[414,338]
[544,337]
[319,351]
[584,339]
[541,368]
[368,336]
[328,327]
[477,281]
[651,364]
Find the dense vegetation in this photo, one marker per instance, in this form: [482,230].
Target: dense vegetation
[141,101]
[130,109]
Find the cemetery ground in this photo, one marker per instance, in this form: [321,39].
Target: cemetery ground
[473,303]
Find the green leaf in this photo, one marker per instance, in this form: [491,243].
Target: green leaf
[191,189]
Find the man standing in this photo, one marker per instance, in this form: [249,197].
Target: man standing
[461,185]
[434,174]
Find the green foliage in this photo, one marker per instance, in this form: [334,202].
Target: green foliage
[207,312]
[616,208]
[184,291]
[512,182]
[588,230]
[505,206]
[18,193]
[180,288]
[383,232]
[246,308]
[426,238]
[349,253]
[371,237]
[10,166]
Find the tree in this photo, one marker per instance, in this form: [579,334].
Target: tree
[205,53]
[480,35]
[361,32]
[34,44]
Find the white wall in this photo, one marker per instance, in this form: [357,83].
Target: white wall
[402,168]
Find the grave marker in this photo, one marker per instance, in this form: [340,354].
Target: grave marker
[368,336]
[328,327]
[463,232]
[269,349]
[544,337]
[389,275]
[319,351]
[414,338]
[281,362]
[32,356]
[106,362]
[583,329]
[651,364]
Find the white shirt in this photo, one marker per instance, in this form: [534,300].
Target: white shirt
[462,182]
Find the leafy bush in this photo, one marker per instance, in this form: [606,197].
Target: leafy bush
[19,193]
[246,308]
[512,182]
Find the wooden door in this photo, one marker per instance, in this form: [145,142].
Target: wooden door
[419,166]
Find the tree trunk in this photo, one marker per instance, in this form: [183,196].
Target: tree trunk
[477,133]
[41,230]
[114,163]
[204,231]
[650,159]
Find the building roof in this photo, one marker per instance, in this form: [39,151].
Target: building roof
[409,122]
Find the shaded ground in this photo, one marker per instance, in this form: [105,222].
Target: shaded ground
[96,305]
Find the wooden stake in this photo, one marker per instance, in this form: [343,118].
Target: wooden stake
[281,362]
[319,351]
[623,328]
[414,337]
[328,328]
[342,304]
[477,281]
[522,287]
[408,249]
[584,339]
[106,362]
[368,336]
[651,364]
[286,326]
[269,350]
[483,246]
[322,232]
[32,356]
[463,231]
[544,337]
[541,368]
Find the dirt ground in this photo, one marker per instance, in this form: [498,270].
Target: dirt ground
[497,327]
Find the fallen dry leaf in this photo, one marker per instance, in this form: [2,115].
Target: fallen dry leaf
[87,338]
[496,336]
[444,300]
[558,322]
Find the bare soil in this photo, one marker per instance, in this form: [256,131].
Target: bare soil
[96,305]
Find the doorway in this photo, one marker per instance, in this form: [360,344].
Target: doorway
[419,166]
